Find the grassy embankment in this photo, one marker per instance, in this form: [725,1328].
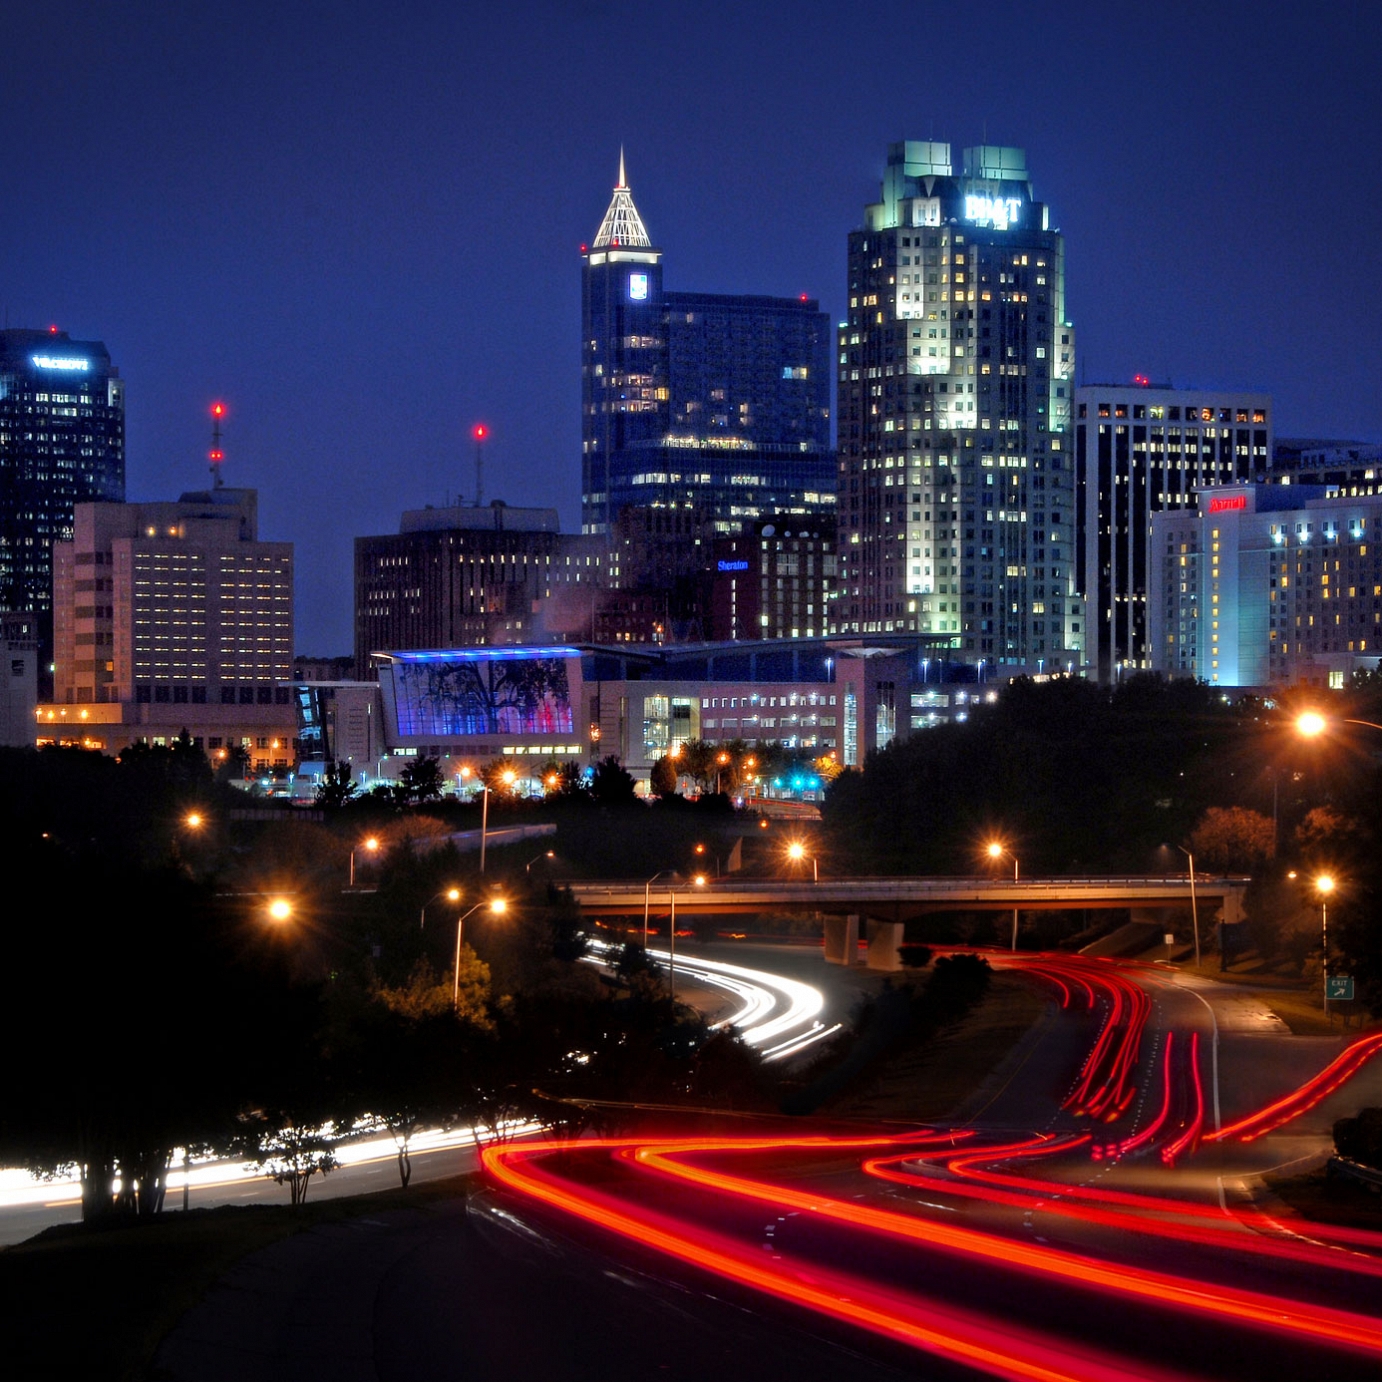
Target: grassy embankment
[96,1303]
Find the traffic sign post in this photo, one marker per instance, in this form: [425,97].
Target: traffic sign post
[1339,988]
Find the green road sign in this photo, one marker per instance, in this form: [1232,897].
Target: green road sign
[1339,988]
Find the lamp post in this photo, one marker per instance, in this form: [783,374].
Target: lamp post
[279,909]
[498,906]
[997,851]
[796,852]
[699,882]
[370,844]
[508,777]
[546,854]
[1195,910]
[451,895]
[647,893]
[1324,885]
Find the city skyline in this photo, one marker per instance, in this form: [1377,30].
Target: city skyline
[367,242]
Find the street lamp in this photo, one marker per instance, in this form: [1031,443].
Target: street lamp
[193,820]
[997,851]
[498,906]
[280,909]
[698,882]
[646,900]
[370,844]
[721,761]
[796,852]
[548,854]
[1324,885]
[508,777]
[1310,724]
[450,894]
[1195,910]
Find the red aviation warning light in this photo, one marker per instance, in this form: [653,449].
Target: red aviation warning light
[1141,381]
[216,455]
[479,431]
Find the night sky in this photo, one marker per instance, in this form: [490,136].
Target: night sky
[360,224]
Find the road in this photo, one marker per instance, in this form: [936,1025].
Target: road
[1087,1215]
[783,995]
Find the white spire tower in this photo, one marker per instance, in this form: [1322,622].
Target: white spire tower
[622,227]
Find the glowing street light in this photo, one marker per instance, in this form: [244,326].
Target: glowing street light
[497,906]
[1310,724]
[996,850]
[1324,885]
[193,820]
[280,909]
[450,894]
[796,852]
[371,844]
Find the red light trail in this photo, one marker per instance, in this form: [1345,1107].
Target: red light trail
[1115,1079]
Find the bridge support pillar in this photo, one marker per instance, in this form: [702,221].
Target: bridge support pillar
[885,941]
[841,940]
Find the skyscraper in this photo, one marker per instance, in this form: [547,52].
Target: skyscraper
[62,443]
[956,368]
[1139,450]
[696,400]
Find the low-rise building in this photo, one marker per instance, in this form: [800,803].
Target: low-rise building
[172,617]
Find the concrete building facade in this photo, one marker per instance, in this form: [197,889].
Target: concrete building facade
[173,616]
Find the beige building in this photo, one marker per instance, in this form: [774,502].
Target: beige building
[172,617]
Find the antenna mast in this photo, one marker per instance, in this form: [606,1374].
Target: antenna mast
[218,411]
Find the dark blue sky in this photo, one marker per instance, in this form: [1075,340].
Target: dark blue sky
[359,224]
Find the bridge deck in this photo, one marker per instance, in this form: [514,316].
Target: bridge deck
[909,896]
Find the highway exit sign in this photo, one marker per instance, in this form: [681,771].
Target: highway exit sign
[1339,988]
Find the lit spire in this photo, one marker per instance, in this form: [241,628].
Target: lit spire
[622,226]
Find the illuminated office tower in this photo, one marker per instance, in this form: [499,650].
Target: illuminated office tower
[62,443]
[704,401]
[956,364]
[1143,449]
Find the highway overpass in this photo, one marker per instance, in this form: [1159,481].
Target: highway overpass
[884,905]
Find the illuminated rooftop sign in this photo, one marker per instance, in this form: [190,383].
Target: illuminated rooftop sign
[70,362]
[1227,502]
[733,565]
[638,287]
[998,212]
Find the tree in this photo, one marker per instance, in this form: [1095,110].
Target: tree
[337,786]
[612,785]
[663,777]
[421,781]
[291,1153]
[1233,838]
[426,994]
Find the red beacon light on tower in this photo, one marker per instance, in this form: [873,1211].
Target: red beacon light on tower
[216,455]
[1142,381]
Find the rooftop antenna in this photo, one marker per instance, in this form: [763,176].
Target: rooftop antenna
[216,456]
[479,432]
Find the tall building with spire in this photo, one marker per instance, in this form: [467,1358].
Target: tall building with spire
[956,375]
[707,402]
